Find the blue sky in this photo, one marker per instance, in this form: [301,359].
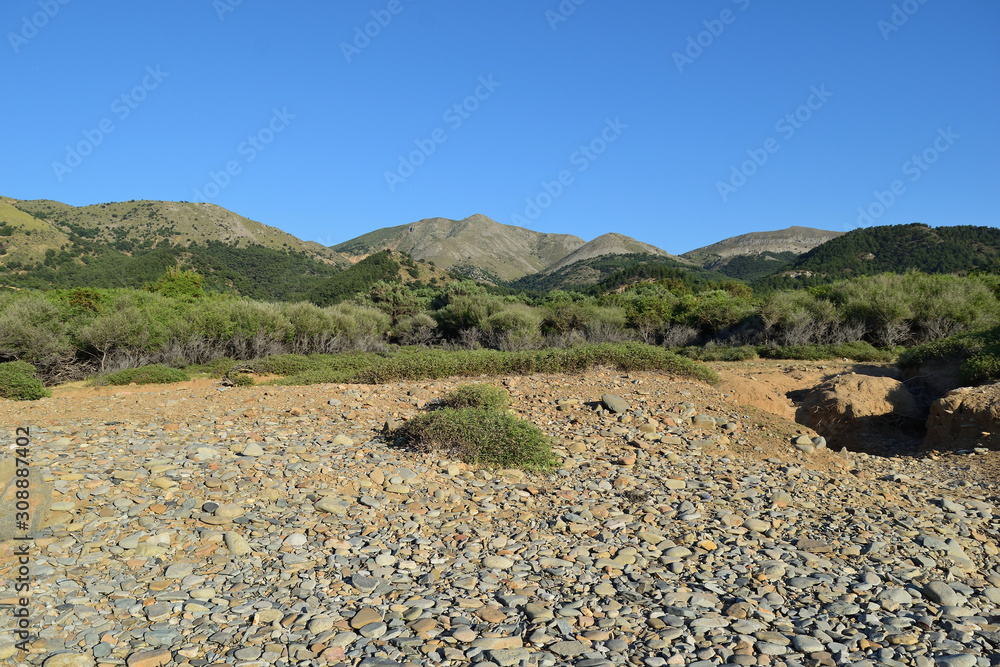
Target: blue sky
[679,124]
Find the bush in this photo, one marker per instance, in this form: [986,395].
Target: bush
[856,351]
[179,284]
[515,327]
[410,364]
[155,374]
[478,396]
[217,368]
[420,329]
[798,318]
[479,436]
[241,380]
[32,330]
[721,353]
[18,382]
[977,352]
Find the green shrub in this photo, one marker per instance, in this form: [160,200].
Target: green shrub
[242,380]
[32,330]
[720,353]
[420,329]
[480,437]
[478,396]
[953,348]
[978,352]
[179,284]
[289,364]
[154,374]
[18,382]
[219,367]
[424,364]
[856,351]
[515,327]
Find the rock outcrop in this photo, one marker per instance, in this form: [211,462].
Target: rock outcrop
[845,408]
[965,418]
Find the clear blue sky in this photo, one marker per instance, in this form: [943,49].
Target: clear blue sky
[311,115]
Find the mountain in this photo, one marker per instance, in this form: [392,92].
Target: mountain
[894,249]
[382,266]
[133,225]
[596,260]
[608,272]
[45,244]
[477,246]
[610,244]
[756,254]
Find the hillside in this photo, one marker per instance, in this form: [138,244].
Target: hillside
[45,244]
[894,249]
[609,272]
[137,225]
[24,238]
[610,244]
[384,266]
[755,254]
[477,246]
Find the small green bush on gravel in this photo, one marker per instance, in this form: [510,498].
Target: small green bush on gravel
[155,374]
[241,379]
[483,396]
[18,382]
[479,436]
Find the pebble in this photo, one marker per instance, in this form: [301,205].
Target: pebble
[237,544]
[498,562]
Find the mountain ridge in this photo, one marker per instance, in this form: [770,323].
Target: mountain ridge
[476,243]
[794,239]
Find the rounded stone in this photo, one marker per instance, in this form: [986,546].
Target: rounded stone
[498,562]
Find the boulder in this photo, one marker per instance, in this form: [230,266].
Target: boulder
[965,418]
[844,408]
[615,403]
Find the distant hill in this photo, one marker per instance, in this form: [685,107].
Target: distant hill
[610,271]
[894,249]
[477,246]
[127,244]
[386,266]
[756,254]
[610,244]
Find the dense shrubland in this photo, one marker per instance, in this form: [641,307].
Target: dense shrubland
[70,333]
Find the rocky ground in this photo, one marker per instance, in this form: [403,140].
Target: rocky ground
[200,525]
